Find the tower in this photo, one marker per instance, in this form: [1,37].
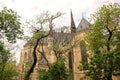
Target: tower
[72,26]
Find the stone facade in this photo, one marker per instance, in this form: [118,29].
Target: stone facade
[75,55]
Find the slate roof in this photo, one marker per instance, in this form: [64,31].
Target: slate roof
[61,37]
[58,37]
[83,25]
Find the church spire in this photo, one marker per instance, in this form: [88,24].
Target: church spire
[72,26]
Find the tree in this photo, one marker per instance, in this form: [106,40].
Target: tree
[104,43]
[4,56]
[10,25]
[58,71]
[7,67]
[10,29]
[44,19]
[61,44]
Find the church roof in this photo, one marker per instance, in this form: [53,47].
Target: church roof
[83,25]
[58,37]
[61,37]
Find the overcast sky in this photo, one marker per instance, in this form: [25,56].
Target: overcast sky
[27,9]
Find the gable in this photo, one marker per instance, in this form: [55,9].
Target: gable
[83,25]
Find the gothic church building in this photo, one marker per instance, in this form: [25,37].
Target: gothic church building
[75,55]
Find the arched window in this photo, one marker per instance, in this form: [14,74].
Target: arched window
[83,52]
[43,61]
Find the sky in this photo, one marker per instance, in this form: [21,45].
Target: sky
[27,9]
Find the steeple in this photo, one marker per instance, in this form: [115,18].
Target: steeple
[72,26]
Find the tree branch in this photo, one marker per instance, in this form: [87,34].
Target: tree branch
[35,58]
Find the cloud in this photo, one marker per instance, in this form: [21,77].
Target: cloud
[27,9]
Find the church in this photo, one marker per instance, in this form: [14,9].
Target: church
[75,54]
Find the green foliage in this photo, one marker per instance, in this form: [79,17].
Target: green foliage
[104,63]
[10,25]
[43,74]
[7,67]
[36,36]
[106,17]
[9,71]
[10,29]
[4,54]
[58,71]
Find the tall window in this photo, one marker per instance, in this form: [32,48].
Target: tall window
[22,67]
[83,52]
[25,57]
[71,60]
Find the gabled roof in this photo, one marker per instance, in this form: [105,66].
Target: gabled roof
[83,25]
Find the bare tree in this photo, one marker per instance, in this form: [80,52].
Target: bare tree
[45,19]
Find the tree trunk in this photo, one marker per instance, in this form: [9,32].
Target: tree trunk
[109,77]
[109,36]
[108,40]
[2,69]
[27,76]
[34,62]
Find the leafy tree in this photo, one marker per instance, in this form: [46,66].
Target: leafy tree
[10,29]
[105,30]
[10,25]
[4,54]
[4,57]
[7,67]
[9,71]
[43,74]
[58,71]
[104,43]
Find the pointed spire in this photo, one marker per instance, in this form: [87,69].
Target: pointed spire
[73,28]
